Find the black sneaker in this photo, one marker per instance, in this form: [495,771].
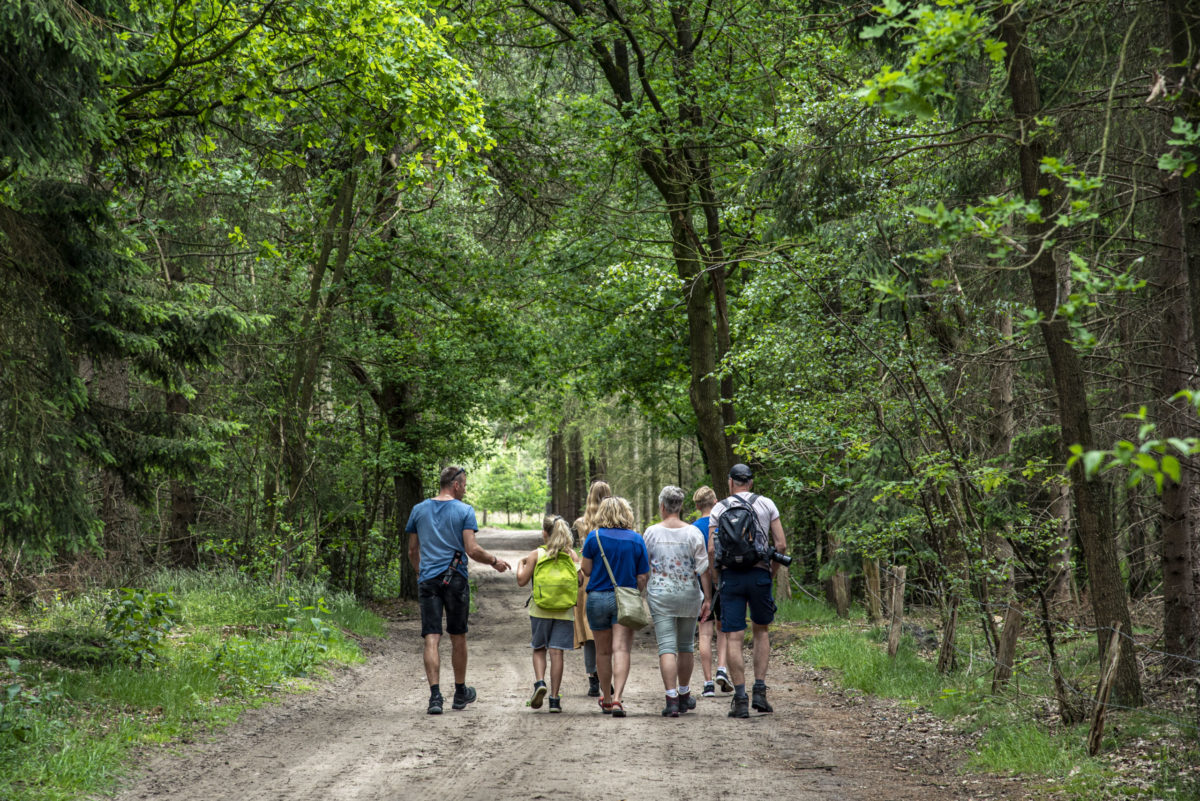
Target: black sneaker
[539,692]
[593,686]
[671,710]
[759,701]
[710,690]
[686,702]
[723,681]
[463,697]
[555,703]
[435,704]
[739,707]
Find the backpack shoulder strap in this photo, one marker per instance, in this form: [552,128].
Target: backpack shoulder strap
[743,502]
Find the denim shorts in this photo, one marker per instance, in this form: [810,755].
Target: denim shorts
[601,610]
[547,632]
[752,588]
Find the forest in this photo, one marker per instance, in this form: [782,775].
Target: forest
[931,268]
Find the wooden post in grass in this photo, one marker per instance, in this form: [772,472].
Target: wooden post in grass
[947,651]
[874,597]
[899,575]
[1006,652]
[1096,733]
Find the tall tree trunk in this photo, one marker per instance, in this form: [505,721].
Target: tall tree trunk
[406,485]
[1183,30]
[558,474]
[597,466]
[1094,521]
[576,476]
[118,514]
[314,325]
[183,550]
[677,164]
[1062,576]
[1180,612]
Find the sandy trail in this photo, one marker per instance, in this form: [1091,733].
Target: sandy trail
[365,734]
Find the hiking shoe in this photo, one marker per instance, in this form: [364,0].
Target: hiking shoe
[593,686]
[739,707]
[710,691]
[723,680]
[539,692]
[435,704]
[759,701]
[555,703]
[461,699]
[686,702]
[671,710]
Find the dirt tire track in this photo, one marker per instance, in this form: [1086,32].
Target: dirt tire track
[365,735]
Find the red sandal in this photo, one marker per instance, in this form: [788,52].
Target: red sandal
[618,711]
[606,708]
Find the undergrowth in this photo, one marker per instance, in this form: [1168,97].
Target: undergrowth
[99,674]
[1017,733]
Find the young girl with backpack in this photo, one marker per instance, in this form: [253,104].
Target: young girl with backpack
[552,570]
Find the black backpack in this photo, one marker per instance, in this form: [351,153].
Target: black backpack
[737,531]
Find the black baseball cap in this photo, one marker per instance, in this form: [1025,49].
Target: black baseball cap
[740,473]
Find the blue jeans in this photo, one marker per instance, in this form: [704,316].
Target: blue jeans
[602,610]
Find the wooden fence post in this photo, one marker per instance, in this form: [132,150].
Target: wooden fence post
[899,573]
[1096,733]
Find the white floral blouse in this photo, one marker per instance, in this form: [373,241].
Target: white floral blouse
[677,557]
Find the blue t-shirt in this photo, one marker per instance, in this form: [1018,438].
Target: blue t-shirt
[702,524]
[626,552]
[439,526]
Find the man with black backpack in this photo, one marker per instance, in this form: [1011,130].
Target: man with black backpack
[745,547]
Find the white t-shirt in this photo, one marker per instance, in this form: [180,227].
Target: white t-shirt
[764,509]
[677,556]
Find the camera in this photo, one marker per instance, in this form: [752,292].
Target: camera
[772,555]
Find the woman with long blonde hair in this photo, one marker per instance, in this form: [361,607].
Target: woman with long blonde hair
[583,633]
[551,628]
[614,541]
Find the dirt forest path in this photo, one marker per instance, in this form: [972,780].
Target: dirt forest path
[365,734]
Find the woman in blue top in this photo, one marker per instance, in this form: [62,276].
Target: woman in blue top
[626,553]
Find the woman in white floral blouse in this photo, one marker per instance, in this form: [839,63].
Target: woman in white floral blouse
[678,557]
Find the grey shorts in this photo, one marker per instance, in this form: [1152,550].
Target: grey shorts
[550,633]
[675,635]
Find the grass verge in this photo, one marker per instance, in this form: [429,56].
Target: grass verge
[74,709]
[1015,733]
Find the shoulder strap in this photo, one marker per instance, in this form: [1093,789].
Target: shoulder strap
[607,566]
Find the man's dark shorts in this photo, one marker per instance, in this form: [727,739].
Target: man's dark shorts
[455,597]
[739,590]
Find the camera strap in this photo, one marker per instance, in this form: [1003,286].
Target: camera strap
[454,565]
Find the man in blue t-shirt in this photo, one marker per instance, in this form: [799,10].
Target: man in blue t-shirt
[441,536]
